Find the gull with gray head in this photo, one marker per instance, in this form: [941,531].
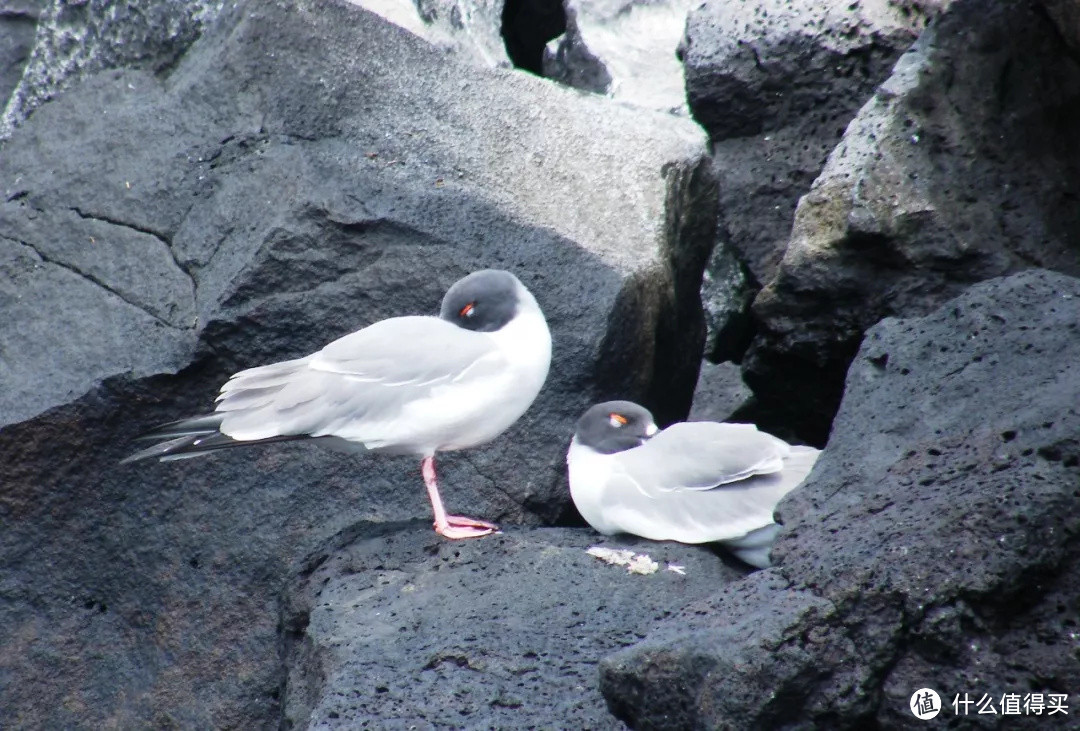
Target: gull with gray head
[693,482]
[407,385]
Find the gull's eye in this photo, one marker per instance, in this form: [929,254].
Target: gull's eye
[467,310]
[617,420]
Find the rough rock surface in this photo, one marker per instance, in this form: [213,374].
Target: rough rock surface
[727,290]
[75,39]
[624,48]
[277,190]
[1066,16]
[304,168]
[720,391]
[936,184]
[775,83]
[934,544]
[397,627]
[18,24]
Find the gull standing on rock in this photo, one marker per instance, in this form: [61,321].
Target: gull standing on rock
[407,385]
[694,482]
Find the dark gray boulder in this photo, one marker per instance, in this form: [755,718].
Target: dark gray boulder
[304,170]
[740,659]
[775,83]
[937,183]
[75,39]
[393,626]
[720,392]
[933,545]
[1066,16]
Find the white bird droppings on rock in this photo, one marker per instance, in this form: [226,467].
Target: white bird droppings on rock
[635,563]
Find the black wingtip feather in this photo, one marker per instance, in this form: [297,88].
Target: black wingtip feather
[162,449]
[193,438]
[196,425]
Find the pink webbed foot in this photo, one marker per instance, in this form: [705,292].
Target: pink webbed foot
[458,526]
[451,526]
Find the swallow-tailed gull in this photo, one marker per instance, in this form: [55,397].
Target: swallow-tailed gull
[407,385]
[694,482]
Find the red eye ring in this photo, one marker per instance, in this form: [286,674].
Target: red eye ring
[467,309]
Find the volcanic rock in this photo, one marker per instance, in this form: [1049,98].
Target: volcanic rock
[303,170]
[937,183]
[933,544]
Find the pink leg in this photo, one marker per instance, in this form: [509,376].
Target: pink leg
[451,526]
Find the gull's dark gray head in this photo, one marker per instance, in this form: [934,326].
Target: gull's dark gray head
[483,301]
[615,426]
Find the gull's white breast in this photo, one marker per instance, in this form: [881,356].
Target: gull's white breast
[486,407]
[589,472]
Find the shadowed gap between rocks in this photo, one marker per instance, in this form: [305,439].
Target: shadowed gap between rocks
[527,26]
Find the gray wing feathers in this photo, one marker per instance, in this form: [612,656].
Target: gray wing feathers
[800,461]
[359,383]
[702,455]
[400,350]
[367,375]
[668,501]
[258,387]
